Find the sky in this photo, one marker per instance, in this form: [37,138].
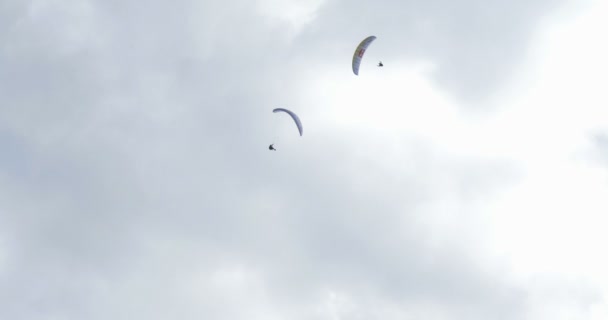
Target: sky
[465,179]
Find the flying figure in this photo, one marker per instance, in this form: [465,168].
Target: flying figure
[295,119]
[380,64]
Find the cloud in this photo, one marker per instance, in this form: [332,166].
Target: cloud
[600,142]
[136,181]
[477,47]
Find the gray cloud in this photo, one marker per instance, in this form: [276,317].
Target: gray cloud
[136,183]
[476,45]
[600,142]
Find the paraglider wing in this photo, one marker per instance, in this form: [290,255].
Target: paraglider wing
[293,116]
[360,51]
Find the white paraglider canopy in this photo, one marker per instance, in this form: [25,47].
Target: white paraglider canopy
[294,116]
[358,56]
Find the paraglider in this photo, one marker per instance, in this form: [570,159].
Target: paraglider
[360,51]
[294,116]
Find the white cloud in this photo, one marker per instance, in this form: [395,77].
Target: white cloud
[137,183]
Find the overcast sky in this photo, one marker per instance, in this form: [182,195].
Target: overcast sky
[467,179]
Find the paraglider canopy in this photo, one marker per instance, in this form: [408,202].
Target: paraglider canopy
[360,51]
[294,116]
